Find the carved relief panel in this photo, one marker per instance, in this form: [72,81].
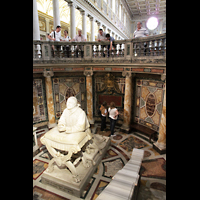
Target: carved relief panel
[65,87]
[109,88]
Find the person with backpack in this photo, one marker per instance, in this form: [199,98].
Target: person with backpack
[104,113]
[79,38]
[56,36]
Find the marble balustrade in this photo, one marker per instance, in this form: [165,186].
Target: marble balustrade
[129,49]
[124,182]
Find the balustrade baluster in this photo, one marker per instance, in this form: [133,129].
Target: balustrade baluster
[38,50]
[101,51]
[35,51]
[164,44]
[93,53]
[147,49]
[97,50]
[74,51]
[115,51]
[139,48]
[120,50]
[152,47]
[123,45]
[157,47]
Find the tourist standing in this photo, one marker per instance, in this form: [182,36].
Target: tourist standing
[104,113]
[113,115]
[66,48]
[79,38]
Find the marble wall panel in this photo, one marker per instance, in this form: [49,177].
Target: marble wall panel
[149,99]
[63,88]
[39,104]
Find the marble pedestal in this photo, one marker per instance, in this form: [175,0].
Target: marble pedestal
[62,179]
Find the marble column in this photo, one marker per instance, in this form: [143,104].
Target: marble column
[127,101]
[49,97]
[92,28]
[84,31]
[56,14]
[36,29]
[99,25]
[72,20]
[104,28]
[88,75]
[160,145]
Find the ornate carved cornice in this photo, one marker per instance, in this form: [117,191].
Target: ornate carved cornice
[126,74]
[88,73]
[48,73]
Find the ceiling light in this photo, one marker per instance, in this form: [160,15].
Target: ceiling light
[152,23]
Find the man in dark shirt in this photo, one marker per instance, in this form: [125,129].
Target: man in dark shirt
[111,39]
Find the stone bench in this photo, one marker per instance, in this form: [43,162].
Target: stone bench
[125,181]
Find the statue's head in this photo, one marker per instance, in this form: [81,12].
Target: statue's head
[71,103]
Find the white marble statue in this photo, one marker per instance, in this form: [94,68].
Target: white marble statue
[73,118]
[70,135]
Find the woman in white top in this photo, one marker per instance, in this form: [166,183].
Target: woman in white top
[113,115]
[66,48]
[104,113]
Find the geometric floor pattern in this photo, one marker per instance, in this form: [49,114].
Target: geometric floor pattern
[153,169]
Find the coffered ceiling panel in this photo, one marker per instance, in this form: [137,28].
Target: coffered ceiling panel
[147,7]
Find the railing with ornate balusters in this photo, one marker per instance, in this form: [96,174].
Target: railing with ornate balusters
[130,50]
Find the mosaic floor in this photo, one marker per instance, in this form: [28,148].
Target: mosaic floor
[153,169]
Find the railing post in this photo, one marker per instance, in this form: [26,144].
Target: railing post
[46,51]
[88,51]
[128,50]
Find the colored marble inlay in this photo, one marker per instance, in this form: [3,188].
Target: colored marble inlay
[112,167]
[40,193]
[132,142]
[157,70]
[100,187]
[38,168]
[117,69]
[155,168]
[138,69]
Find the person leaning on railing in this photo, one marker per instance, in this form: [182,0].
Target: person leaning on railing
[101,37]
[66,48]
[56,36]
[140,32]
[111,45]
[79,38]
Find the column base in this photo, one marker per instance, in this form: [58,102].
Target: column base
[125,128]
[159,147]
[51,125]
[91,122]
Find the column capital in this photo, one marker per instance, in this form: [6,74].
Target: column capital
[91,18]
[48,73]
[88,73]
[82,12]
[98,23]
[127,74]
[163,77]
[71,3]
